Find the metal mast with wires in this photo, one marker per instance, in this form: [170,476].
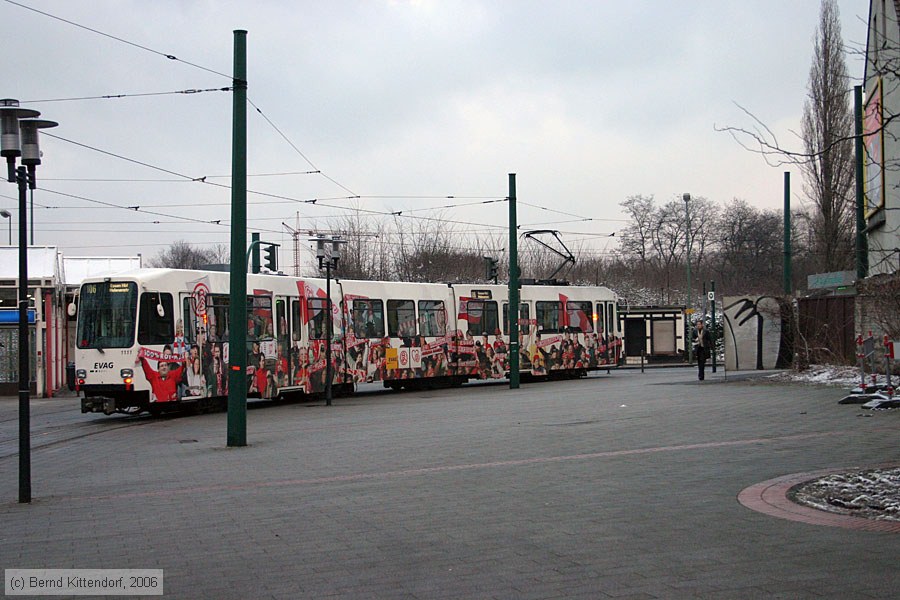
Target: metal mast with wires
[296,235]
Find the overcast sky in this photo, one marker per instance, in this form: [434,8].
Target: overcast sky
[402,103]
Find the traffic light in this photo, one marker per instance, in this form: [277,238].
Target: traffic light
[271,255]
[490,268]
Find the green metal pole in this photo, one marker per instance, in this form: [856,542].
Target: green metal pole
[787,277]
[712,308]
[237,355]
[862,243]
[513,288]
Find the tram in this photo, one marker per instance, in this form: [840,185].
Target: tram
[157,339]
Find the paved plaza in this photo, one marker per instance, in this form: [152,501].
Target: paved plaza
[616,486]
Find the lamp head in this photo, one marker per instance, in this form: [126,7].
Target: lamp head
[336,242]
[10,113]
[320,246]
[31,152]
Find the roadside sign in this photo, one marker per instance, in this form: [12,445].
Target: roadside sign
[711,296]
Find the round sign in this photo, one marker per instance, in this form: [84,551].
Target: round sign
[198,299]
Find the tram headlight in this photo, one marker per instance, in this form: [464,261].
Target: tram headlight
[81,373]
[126,373]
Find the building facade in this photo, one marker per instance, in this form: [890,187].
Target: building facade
[881,127]
[53,282]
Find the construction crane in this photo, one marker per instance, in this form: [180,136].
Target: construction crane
[295,233]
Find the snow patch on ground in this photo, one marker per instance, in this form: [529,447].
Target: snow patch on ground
[840,376]
[873,494]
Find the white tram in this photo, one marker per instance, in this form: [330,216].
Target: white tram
[157,339]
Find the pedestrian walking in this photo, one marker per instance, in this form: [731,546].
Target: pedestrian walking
[702,349]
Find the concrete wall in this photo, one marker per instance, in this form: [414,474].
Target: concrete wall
[753,332]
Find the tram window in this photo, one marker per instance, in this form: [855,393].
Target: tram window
[259,318]
[281,315]
[368,318]
[153,328]
[401,318]
[217,307]
[318,316]
[523,314]
[601,318]
[190,321]
[548,316]
[432,318]
[610,320]
[107,315]
[483,317]
[580,317]
[295,320]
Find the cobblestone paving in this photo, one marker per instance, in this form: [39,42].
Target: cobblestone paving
[618,486]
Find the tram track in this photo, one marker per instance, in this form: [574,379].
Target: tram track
[54,435]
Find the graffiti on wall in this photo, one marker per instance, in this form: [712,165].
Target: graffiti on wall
[756,332]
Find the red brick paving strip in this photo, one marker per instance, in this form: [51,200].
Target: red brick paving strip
[770,497]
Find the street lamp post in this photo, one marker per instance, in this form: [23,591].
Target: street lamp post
[328,263]
[19,138]
[688,309]
[8,215]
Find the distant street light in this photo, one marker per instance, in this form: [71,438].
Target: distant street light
[328,263]
[688,308]
[8,215]
[19,138]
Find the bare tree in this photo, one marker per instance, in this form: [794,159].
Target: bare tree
[748,248]
[827,136]
[183,255]
[363,256]
[635,240]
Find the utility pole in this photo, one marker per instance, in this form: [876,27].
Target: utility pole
[513,288]
[237,316]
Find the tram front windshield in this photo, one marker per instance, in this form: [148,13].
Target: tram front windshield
[106,314]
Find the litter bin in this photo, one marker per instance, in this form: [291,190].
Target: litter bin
[70,376]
